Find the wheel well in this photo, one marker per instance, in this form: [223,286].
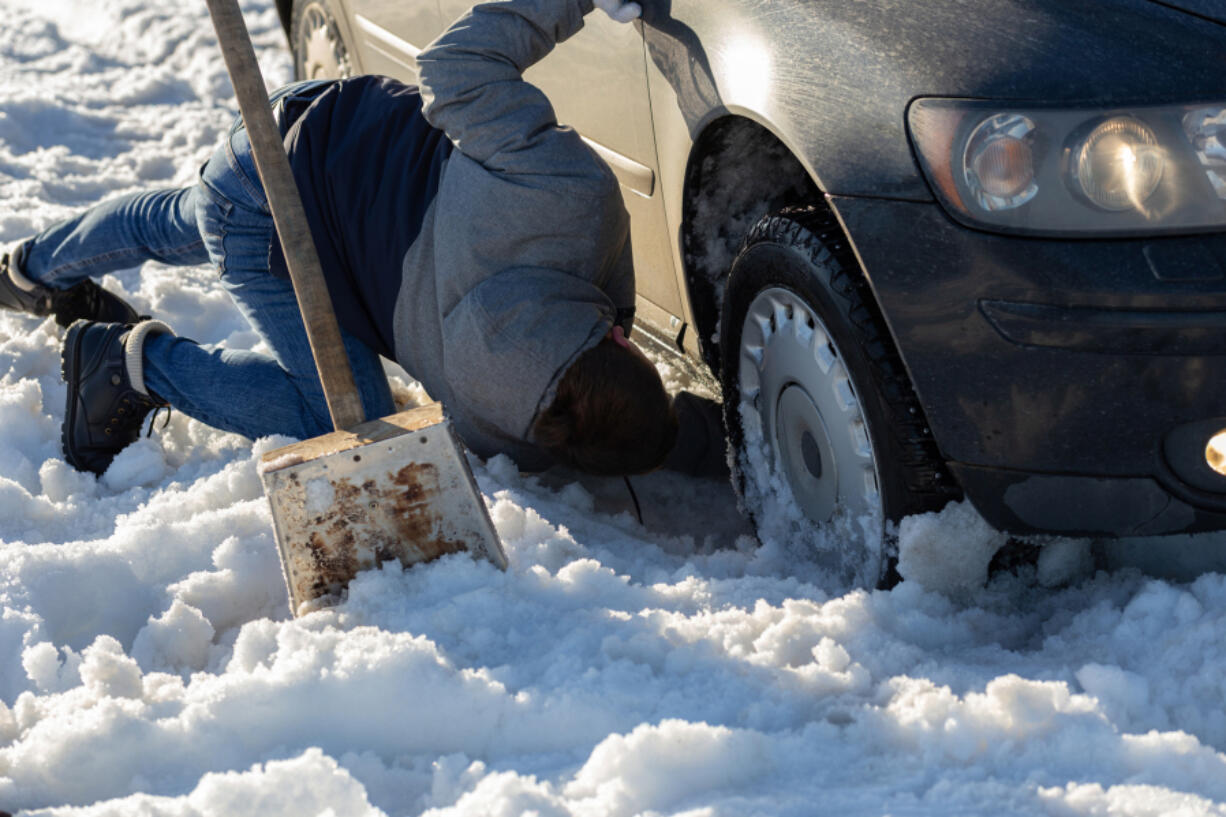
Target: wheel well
[738,172]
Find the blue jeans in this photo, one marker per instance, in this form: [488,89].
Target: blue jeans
[224,218]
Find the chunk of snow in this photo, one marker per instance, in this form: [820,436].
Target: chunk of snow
[949,550]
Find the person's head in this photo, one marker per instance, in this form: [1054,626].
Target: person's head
[611,415]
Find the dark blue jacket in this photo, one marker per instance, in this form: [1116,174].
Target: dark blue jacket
[369,165]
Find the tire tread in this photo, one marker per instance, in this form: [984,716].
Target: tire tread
[814,231]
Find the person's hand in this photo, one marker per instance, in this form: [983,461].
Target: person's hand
[619,10]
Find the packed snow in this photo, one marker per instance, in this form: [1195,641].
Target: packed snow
[148,664]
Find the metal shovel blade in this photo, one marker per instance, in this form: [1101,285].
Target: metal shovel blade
[394,488]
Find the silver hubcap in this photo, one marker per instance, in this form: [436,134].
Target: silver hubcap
[321,52]
[793,375]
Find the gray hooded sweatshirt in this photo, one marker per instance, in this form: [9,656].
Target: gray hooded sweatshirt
[523,260]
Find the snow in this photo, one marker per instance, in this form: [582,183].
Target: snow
[835,554]
[148,665]
[949,551]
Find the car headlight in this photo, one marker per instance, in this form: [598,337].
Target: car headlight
[1065,171]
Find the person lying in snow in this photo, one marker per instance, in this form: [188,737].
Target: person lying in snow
[462,233]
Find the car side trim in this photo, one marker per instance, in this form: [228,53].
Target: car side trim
[630,174]
[388,44]
[1094,329]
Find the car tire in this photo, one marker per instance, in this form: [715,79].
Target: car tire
[828,437]
[317,40]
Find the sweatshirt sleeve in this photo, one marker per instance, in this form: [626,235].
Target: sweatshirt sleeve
[473,89]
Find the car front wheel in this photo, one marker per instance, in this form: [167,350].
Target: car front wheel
[320,49]
[829,438]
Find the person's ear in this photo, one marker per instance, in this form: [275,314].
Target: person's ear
[619,337]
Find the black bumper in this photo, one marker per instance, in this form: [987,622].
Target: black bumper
[1071,385]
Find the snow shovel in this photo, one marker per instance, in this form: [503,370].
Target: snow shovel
[394,488]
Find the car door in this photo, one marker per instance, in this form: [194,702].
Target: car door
[390,33]
[597,82]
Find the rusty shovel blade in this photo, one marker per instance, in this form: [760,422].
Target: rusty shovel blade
[394,488]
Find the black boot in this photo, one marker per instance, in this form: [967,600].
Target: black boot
[107,398]
[700,450]
[85,301]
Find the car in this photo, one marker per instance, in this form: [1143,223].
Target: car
[927,250]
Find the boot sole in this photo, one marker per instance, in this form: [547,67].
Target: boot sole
[69,370]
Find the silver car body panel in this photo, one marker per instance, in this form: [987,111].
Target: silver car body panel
[597,82]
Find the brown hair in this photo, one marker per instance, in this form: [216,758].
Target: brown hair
[611,415]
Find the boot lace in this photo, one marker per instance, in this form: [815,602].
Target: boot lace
[130,415]
[154,416]
[638,510]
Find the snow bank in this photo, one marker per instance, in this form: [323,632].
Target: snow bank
[148,666]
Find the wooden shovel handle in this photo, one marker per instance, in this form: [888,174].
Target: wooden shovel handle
[323,332]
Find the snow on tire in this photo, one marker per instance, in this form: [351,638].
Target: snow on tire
[829,438]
